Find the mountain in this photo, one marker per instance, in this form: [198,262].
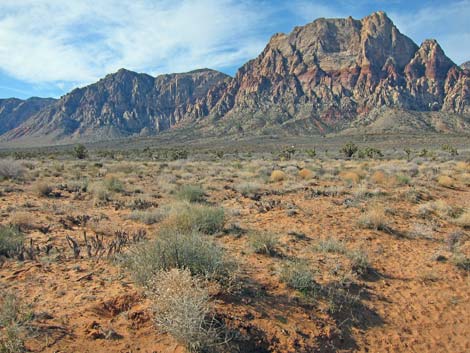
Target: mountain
[15,111]
[465,65]
[332,75]
[121,104]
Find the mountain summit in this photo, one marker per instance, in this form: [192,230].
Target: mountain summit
[329,75]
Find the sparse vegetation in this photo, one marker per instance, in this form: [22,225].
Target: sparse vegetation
[349,149]
[263,242]
[278,175]
[11,239]
[186,217]
[298,275]
[11,169]
[374,218]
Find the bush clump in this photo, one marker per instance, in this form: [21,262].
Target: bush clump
[374,218]
[298,275]
[278,175]
[181,306]
[191,193]
[11,239]
[10,169]
[187,217]
[263,242]
[184,250]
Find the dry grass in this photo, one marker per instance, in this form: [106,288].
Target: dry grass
[181,307]
[278,175]
[42,189]
[350,177]
[379,177]
[306,174]
[464,219]
[446,181]
[374,218]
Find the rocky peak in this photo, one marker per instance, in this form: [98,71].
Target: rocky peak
[465,65]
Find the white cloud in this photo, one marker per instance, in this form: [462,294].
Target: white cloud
[447,23]
[80,41]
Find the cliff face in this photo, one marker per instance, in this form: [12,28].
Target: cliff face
[333,70]
[328,75]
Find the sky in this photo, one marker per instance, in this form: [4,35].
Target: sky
[48,47]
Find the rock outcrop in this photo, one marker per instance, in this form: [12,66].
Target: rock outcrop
[329,75]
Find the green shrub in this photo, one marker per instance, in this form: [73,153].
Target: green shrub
[359,261]
[349,149]
[80,152]
[191,193]
[183,250]
[186,217]
[298,275]
[11,239]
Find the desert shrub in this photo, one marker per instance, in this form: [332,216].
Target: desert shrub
[43,189]
[402,179]
[359,261]
[11,240]
[374,218]
[349,149]
[453,240]
[178,154]
[206,219]
[311,153]
[298,275]
[11,169]
[331,245]
[445,181]
[287,153]
[369,152]
[277,175]
[113,184]
[248,189]
[191,193]
[462,166]
[183,250]
[379,177]
[306,174]
[350,177]
[100,193]
[461,261]
[262,242]
[181,307]
[450,149]
[80,152]
[464,219]
[148,216]
[22,220]
[13,319]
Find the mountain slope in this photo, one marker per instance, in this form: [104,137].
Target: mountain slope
[121,104]
[332,71]
[15,111]
[328,76]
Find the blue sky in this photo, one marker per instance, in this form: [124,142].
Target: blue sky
[48,47]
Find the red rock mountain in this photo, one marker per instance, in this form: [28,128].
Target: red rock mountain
[329,75]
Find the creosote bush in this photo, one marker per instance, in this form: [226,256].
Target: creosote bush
[113,184]
[191,193]
[181,306]
[184,250]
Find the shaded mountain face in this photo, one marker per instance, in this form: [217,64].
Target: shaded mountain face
[330,75]
[15,111]
[122,104]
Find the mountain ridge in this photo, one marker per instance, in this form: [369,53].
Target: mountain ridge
[330,75]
